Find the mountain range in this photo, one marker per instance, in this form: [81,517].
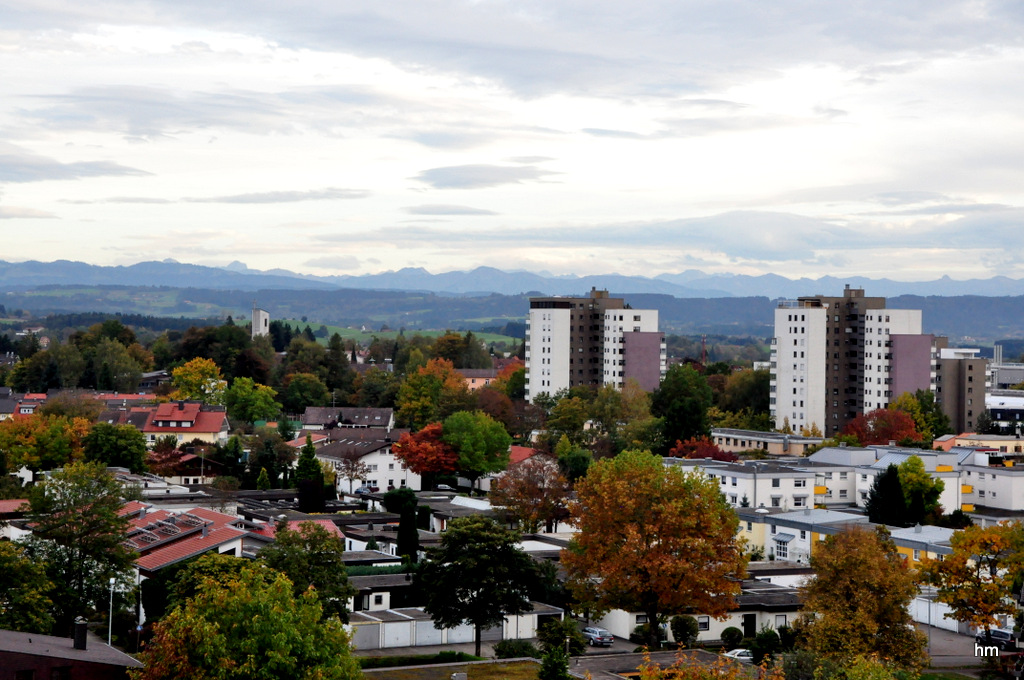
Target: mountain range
[16,276]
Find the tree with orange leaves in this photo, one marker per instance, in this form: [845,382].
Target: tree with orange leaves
[882,426]
[426,454]
[652,538]
[432,393]
[976,581]
[41,442]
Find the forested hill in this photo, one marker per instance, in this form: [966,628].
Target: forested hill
[963,318]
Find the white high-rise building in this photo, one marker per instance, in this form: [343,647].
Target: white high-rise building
[798,365]
[595,341]
[832,358]
[879,325]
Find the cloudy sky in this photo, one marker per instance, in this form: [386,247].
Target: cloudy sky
[798,137]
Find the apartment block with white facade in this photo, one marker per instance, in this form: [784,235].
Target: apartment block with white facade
[593,341]
[832,358]
[879,326]
[798,362]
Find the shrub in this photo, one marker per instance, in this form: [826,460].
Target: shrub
[514,649]
[766,644]
[732,637]
[640,634]
[553,633]
[684,630]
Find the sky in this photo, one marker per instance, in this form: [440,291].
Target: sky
[795,137]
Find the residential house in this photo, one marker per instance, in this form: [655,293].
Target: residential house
[83,657]
[186,422]
[374,448]
[759,605]
[475,378]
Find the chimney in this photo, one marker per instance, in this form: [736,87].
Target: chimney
[917,528]
[892,442]
[142,510]
[81,633]
[206,529]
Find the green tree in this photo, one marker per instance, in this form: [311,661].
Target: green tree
[567,419]
[477,576]
[920,490]
[312,557]
[886,502]
[376,388]
[403,502]
[116,446]
[302,390]
[249,628]
[860,600]
[554,665]
[25,590]
[746,390]
[573,461]
[79,535]
[682,401]
[309,478]
[114,367]
[199,380]
[480,441]
[249,401]
[936,421]
[263,480]
[654,539]
[555,632]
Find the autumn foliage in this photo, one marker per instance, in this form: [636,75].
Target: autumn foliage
[653,539]
[533,492]
[883,426]
[860,599]
[976,581]
[701,447]
[426,453]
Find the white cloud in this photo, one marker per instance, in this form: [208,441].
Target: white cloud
[793,137]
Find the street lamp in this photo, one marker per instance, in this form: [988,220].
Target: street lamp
[110,618]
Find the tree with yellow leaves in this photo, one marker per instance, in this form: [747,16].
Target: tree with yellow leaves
[976,581]
[858,601]
[199,380]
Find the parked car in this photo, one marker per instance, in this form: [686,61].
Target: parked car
[598,636]
[443,487]
[1001,638]
[744,655]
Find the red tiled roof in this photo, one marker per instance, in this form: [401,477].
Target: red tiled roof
[12,505]
[132,507]
[219,519]
[188,547]
[517,454]
[270,528]
[154,516]
[172,411]
[205,423]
